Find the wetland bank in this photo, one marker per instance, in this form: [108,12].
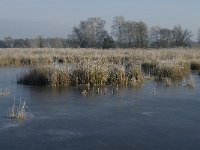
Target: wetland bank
[134,99]
[99,75]
[95,67]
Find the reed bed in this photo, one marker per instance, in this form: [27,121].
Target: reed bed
[46,56]
[97,73]
[91,74]
[173,71]
[96,67]
[49,75]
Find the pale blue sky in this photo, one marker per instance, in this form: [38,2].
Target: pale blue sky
[50,18]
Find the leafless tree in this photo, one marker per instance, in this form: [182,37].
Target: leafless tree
[39,42]
[56,43]
[160,37]
[141,34]
[118,30]
[129,33]
[9,42]
[181,38]
[89,33]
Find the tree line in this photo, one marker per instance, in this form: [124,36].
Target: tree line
[91,33]
[38,42]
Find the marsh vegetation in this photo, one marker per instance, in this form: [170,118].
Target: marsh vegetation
[65,113]
[4,92]
[95,67]
[19,111]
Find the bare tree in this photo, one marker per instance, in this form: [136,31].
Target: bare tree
[9,42]
[154,37]
[20,43]
[181,38]
[129,33]
[118,30]
[32,43]
[41,42]
[161,37]
[165,38]
[89,33]
[56,43]
[141,34]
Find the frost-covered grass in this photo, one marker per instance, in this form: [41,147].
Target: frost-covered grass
[96,67]
[21,57]
[91,74]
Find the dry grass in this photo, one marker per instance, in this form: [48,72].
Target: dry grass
[51,76]
[173,71]
[89,74]
[96,67]
[21,57]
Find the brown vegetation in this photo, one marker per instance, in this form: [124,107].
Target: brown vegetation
[82,74]
[95,67]
[21,57]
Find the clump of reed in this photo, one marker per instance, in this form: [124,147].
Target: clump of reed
[189,82]
[4,92]
[167,81]
[136,77]
[35,76]
[92,74]
[166,71]
[101,90]
[20,111]
[89,73]
[58,77]
[45,76]
[118,76]
[172,71]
